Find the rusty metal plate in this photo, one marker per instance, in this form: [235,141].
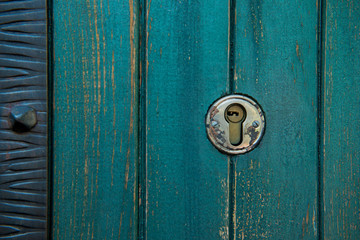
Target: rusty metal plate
[233,115]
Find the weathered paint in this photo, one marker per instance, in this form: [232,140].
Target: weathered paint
[276,63]
[192,53]
[95,119]
[340,120]
[186,70]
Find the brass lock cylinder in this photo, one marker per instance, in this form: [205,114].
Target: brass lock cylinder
[235,124]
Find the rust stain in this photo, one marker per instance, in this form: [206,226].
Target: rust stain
[114,114]
[279,200]
[307,216]
[297,50]
[98,54]
[97,158]
[147,37]
[298,54]
[132,85]
[121,219]
[305,222]
[314,220]
[133,23]
[104,60]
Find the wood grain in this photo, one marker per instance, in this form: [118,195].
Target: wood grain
[276,63]
[186,69]
[95,119]
[23,165]
[340,120]
[131,156]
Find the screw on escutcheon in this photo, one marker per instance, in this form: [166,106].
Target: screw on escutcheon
[22,118]
[255,124]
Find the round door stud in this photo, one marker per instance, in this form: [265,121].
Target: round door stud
[235,124]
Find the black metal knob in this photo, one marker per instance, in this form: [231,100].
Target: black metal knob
[22,118]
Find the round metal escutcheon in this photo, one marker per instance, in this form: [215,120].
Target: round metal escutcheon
[232,115]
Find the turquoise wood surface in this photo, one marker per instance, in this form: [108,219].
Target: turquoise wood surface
[95,120]
[132,84]
[341,120]
[276,63]
[186,70]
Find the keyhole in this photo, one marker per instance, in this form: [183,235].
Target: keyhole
[235,115]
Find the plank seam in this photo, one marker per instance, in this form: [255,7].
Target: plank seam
[142,111]
[231,80]
[320,109]
[50,95]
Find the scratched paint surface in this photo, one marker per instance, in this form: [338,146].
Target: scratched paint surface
[276,63]
[341,125]
[187,179]
[95,120]
[186,184]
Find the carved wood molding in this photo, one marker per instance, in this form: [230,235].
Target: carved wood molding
[23,134]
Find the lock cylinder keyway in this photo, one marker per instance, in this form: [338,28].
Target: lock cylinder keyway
[235,115]
[235,124]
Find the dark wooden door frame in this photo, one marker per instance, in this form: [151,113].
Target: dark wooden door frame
[23,119]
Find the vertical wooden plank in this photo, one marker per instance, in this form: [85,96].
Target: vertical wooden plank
[341,126]
[276,63]
[95,119]
[23,165]
[186,69]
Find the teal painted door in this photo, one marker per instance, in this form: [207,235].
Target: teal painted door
[132,82]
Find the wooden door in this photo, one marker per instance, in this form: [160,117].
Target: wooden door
[129,85]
